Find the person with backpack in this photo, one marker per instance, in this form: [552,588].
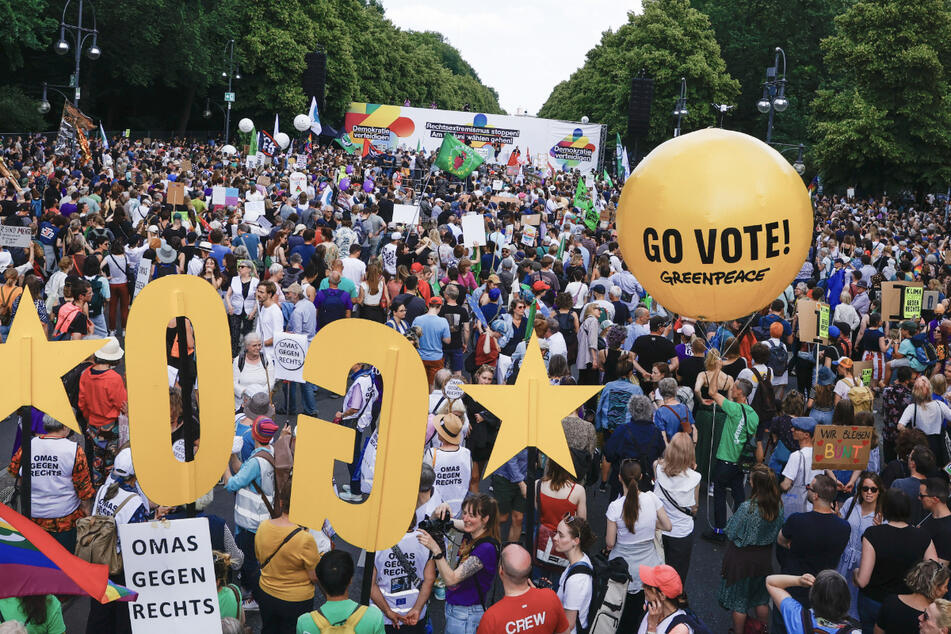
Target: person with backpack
[100,296]
[928,415]
[469,583]
[254,485]
[798,472]
[119,500]
[332,303]
[576,585]
[71,320]
[778,361]
[403,578]
[524,608]
[637,440]
[667,610]
[850,387]
[288,556]
[339,614]
[672,416]
[632,520]
[828,596]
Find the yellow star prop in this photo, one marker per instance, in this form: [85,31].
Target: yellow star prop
[531,411]
[36,365]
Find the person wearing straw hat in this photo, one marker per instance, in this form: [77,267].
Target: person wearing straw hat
[102,397]
[451,462]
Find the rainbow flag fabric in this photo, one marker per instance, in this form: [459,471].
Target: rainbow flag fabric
[32,562]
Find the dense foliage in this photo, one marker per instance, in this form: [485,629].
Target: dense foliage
[161,59]
[669,40]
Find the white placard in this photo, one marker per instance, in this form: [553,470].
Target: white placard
[406,214]
[453,389]
[169,564]
[529,233]
[15,236]
[497,185]
[142,274]
[473,230]
[297,183]
[218,196]
[289,353]
[253,209]
[850,193]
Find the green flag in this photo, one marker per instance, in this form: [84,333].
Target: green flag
[531,320]
[253,145]
[456,157]
[607,178]
[583,202]
[561,246]
[618,154]
[419,145]
[349,146]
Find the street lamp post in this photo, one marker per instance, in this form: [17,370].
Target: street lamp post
[680,109]
[774,92]
[798,165]
[232,73]
[79,34]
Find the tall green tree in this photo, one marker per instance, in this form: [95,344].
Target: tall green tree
[884,120]
[669,40]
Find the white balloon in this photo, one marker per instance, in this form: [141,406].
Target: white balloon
[301,122]
[229,149]
[245,125]
[584,119]
[282,139]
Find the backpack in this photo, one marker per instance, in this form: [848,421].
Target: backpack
[97,538]
[332,308]
[778,359]
[284,446]
[587,466]
[925,352]
[609,579]
[692,621]
[242,359]
[861,397]
[764,400]
[280,479]
[496,591]
[95,304]
[165,268]
[347,626]
[808,628]
[65,317]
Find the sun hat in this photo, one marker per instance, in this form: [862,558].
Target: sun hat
[259,405]
[449,427]
[166,254]
[112,351]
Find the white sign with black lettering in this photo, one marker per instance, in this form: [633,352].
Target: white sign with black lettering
[142,274]
[290,351]
[15,236]
[169,564]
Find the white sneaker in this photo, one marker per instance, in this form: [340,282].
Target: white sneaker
[344,488]
[351,497]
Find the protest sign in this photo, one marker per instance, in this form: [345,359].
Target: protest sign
[297,183]
[406,214]
[497,185]
[452,390]
[863,370]
[893,303]
[911,302]
[532,219]
[142,274]
[473,230]
[186,165]
[218,196]
[711,244]
[253,209]
[289,353]
[176,193]
[263,181]
[529,233]
[263,222]
[499,200]
[929,300]
[169,564]
[841,447]
[15,236]
[813,319]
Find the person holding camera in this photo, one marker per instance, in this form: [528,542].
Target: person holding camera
[468,583]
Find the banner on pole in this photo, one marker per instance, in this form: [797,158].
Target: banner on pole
[289,353]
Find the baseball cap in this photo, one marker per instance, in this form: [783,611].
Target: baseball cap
[416,267]
[656,322]
[664,578]
[804,423]
[540,285]
[845,362]
[687,330]
[834,332]
[435,301]
[396,236]
[122,465]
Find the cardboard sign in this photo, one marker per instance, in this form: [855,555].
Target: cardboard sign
[473,230]
[176,193]
[529,233]
[263,181]
[892,308]
[841,447]
[169,564]
[253,209]
[864,371]
[186,165]
[499,200]
[929,301]
[289,352]
[15,236]
[142,274]
[406,214]
[532,219]
[813,319]
[911,304]
[219,196]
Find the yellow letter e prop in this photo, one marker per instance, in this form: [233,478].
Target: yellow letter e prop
[382,519]
[164,479]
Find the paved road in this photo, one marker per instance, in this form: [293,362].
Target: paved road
[702,583]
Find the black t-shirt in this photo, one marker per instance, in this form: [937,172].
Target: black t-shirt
[818,540]
[940,531]
[895,616]
[689,369]
[622,314]
[896,551]
[457,316]
[651,349]
[385,207]
[415,306]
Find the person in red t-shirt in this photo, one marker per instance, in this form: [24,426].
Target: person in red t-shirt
[524,608]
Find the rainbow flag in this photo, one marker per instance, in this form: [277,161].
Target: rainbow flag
[32,562]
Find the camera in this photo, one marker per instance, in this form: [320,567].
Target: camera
[435,526]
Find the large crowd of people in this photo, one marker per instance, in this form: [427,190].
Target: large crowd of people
[689,409]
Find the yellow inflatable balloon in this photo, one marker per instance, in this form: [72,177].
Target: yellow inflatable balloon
[714,224]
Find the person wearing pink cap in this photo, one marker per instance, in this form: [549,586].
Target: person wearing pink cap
[667,611]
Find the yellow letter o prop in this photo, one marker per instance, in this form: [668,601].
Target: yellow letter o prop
[714,224]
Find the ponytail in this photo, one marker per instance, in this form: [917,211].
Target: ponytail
[630,475]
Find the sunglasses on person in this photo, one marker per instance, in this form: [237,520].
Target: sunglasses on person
[869,489]
[568,518]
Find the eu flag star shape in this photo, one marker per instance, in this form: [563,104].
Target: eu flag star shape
[531,411]
[35,366]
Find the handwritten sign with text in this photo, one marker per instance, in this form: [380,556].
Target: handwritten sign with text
[841,447]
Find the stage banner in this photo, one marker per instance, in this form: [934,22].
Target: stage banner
[566,145]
